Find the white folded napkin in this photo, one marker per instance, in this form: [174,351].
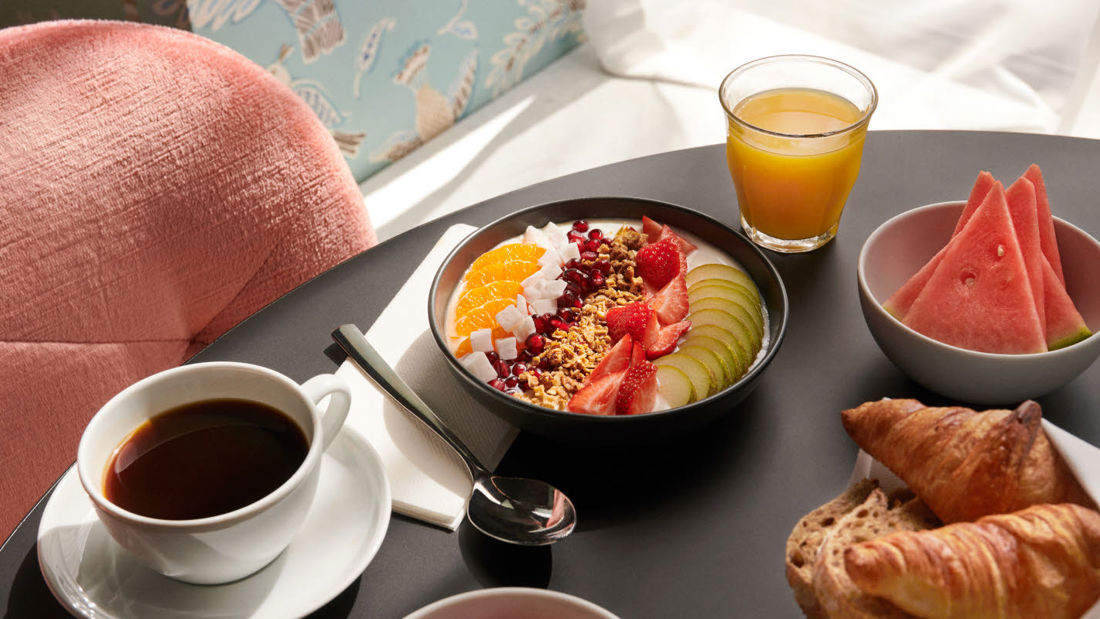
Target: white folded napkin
[428,480]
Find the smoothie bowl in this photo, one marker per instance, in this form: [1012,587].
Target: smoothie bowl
[608,319]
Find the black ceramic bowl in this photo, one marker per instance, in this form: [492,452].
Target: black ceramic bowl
[579,427]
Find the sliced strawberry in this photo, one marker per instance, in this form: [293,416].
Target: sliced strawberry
[659,262]
[638,390]
[651,229]
[637,355]
[598,397]
[666,339]
[685,246]
[652,329]
[616,360]
[671,302]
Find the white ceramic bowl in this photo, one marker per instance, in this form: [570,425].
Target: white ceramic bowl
[508,602]
[899,247]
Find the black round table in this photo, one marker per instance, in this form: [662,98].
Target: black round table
[695,526]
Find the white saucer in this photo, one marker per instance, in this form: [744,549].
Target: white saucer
[92,576]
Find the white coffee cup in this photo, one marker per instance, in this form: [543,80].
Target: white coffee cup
[228,546]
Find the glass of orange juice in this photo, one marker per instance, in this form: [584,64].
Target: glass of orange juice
[795,132]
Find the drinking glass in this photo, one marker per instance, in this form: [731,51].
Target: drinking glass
[795,131]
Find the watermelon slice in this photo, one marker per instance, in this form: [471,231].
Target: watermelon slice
[982,185]
[1064,324]
[979,296]
[1047,239]
[1021,206]
[899,303]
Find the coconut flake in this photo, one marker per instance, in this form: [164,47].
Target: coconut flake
[550,256]
[557,235]
[554,288]
[507,348]
[525,328]
[481,340]
[534,236]
[569,251]
[544,306]
[478,365]
[508,318]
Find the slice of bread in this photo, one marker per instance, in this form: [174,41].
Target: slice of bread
[806,538]
[836,594]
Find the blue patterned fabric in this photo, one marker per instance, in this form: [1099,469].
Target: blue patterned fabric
[384,76]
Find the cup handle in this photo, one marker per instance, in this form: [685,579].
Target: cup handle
[332,418]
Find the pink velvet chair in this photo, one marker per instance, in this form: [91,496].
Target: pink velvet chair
[156,188]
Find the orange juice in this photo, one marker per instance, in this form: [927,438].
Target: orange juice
[794,155]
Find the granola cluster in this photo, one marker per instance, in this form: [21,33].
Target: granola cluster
[570,355]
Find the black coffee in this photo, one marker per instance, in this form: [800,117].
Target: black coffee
[203,459]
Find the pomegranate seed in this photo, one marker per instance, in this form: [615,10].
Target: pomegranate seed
[492,356]
[589,255]
[502,368]
[511,382]
[578,303]
[569,314]
[595,234]
[497,383]
[574,264]
[540,322]
[535,343]
[596,280]
[519,368]
[559,323]
[544,364]
[590,246]
[580,225]
[566,300]
[575,276]
[574,237]
[603,266]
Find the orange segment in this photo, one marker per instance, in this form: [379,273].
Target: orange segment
[480,317]
[474,297]
[507,253]
[515,270]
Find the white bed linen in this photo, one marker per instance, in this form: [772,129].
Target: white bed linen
[647,82]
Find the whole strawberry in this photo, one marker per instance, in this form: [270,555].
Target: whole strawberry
[659,262]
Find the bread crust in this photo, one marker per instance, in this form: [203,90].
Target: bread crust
[806,538]
[837,595]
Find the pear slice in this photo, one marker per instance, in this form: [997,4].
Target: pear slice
[731,361]
[675,386]
[740,349]
[746,334]
[691,367]
[721,271]
[719,373]
[731,306]
[750,293]
[730,292]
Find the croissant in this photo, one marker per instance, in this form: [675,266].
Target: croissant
[965,464]
[1043,561]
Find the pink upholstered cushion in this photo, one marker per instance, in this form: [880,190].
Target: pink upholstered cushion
[156,188]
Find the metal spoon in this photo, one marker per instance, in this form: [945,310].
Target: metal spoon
[516,510]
